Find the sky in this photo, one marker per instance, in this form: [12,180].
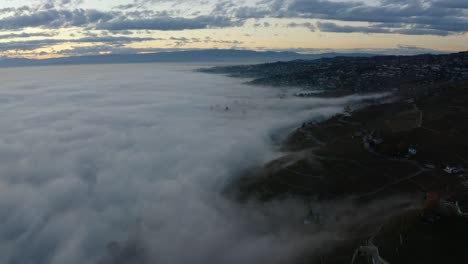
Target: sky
[48,28]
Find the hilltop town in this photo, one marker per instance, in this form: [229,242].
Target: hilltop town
[355,74]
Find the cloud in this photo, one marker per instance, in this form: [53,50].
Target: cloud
[414,17]
[42,43]
[113,164]
[111,20]
[180,45]
[332,27]
[102,43]
[110,39]
[308,25]
[460,4]
[320,8]
[55,19]
[97,49]
[26,35]
[377,28]
[168,23]
[398,50]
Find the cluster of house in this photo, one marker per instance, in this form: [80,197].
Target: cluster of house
[374,138]
[412,151]
[359,73]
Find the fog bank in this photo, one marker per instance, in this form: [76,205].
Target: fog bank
[124,164]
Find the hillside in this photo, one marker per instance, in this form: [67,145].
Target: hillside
[355,74]
[367,173]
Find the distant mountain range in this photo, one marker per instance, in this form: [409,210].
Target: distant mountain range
[218,56]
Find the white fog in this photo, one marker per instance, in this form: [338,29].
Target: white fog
[125,164]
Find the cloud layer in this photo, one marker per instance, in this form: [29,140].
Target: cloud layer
[115,164]
[403,17]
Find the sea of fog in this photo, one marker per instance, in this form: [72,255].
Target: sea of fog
[125,164]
